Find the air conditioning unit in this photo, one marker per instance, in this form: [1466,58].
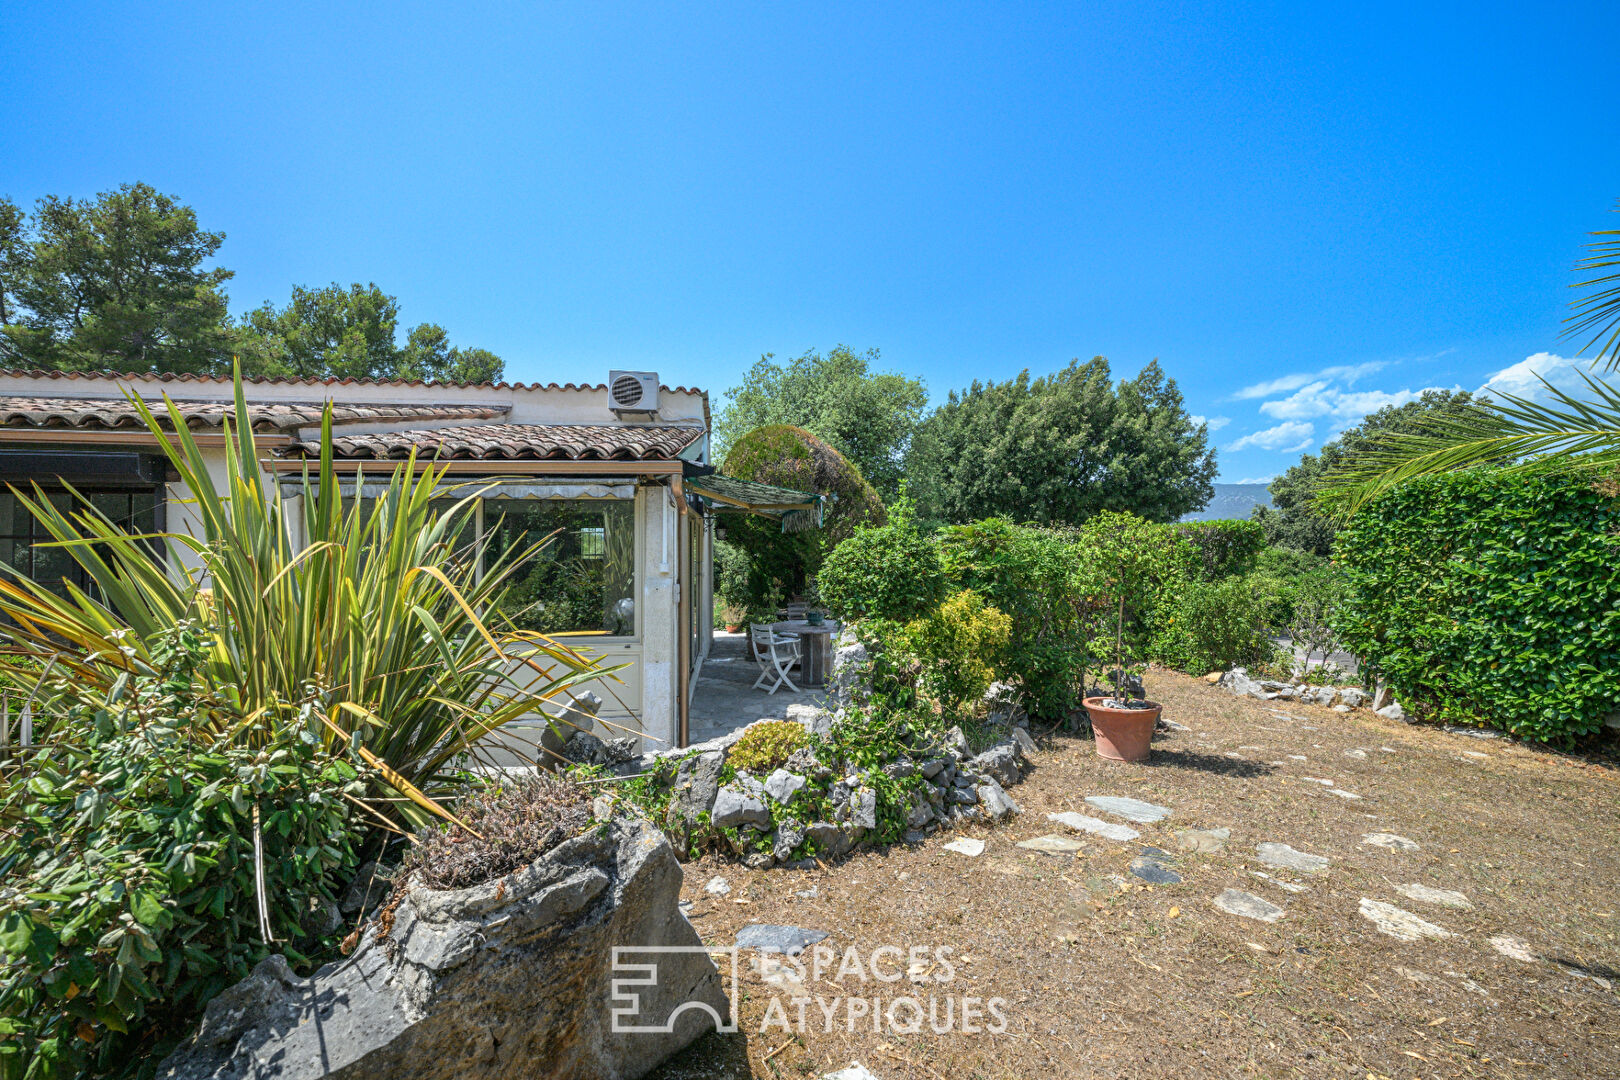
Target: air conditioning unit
[633,392]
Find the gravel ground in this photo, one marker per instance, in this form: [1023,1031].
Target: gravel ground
[1105,975]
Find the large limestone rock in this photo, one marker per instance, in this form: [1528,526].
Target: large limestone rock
[696,784]
[503,980]
[814,720]
[850,661]
[1002,761]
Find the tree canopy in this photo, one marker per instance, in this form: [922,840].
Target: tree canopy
[351,333]
[867,416]
[117,281]
[126,282]
[1061,449]
[1294,520]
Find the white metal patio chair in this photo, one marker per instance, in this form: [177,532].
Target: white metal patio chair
[775,653]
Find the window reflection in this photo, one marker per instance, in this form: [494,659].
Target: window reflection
[583,579]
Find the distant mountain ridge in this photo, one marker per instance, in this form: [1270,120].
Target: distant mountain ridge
[1232,501]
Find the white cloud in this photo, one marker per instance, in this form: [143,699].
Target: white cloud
[1345,406]
[1347,374]
[1308,401]
[1215,423]
[1283,437]
[1521,380]
[1256,479]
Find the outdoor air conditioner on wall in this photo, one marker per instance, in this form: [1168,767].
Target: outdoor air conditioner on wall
[633,392]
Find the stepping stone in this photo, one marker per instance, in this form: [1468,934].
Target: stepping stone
[791,940]
[1343,794]
[1297,757]
[1203,841]
[856,1071]
[788,979]
[1130,809]
[718,886]
[968,846]
[1403,925]
[1249,906]
[1153,871]
[1082,823]
[1389,750]
[1389,840]
[1284,857]
[1286,886]
[1358,754]
[1317,780]
[1515,948]
[1444,897]
[1052,845]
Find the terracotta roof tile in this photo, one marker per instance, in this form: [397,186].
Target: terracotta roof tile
[118,413]
[566,442]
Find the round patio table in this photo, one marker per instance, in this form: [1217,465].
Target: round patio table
[818,647]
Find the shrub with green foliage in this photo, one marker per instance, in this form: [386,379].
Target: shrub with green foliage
[1224,548]
[889,572]
[1490,600]
[768,745]
[127,860]
[1130,564]
[1279,575]
[1213,626]
[1034,577]
[1314,599]
[959,645]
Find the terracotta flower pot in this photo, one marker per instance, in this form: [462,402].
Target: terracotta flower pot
[1123,734]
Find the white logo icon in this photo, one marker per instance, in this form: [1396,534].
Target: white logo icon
[625,1001]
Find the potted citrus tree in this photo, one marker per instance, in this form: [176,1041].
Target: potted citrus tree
[1125,560]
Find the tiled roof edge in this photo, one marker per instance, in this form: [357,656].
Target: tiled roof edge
[174,377]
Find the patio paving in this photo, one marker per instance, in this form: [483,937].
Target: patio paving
[724,698]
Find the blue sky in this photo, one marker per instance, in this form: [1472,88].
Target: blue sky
[1302,211]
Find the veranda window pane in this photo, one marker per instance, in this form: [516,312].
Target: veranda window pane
[583,578]
[114,504]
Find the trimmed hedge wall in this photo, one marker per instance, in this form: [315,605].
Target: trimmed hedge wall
[1493,600]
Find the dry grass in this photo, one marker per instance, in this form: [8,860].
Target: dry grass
[1153,981]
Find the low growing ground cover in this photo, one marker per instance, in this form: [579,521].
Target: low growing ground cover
[1107,975]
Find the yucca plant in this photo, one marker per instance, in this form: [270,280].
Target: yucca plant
[384,620]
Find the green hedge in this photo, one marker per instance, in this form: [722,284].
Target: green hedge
[1490,600]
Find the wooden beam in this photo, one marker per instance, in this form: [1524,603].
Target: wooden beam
[126,438]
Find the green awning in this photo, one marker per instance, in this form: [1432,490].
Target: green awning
[799,510]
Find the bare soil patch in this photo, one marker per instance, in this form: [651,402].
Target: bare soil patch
[1105,975]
